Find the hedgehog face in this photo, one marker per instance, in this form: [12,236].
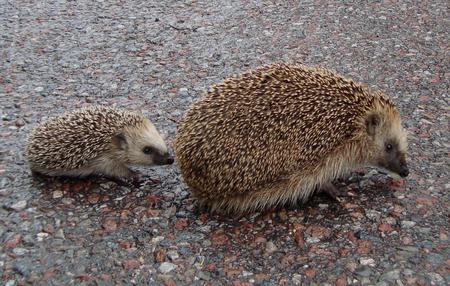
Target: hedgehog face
[390,144]
[144,146]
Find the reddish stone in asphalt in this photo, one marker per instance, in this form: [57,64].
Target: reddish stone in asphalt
[48,273]
[110,224]
[13,241]
[246,224]
[23,215]
[48,228]
[406,240]
[357,215]
[82,185]
[310,272]
[299,239]
[298,227]
[93,198]
[5,134]
[259,277]
[426,201]
[153,212]
[203,217]
[105,277]
[83,277]
[287,260]
[350,206]
[343,252]
[443,235]
[435,79]
[219,238]
[232,271]
[318,231]
[181,223]
[124,245]
[260,238]
[363,247]
[411,280]
[397,183]
[152,199]
[159,255]
[313,247]
[341,281]
[170,282]
[351,236]
[422,211]
[385,227]
[131,264]
[424,134]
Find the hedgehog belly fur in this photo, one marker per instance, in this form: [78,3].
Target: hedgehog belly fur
[102,165]
[300,186]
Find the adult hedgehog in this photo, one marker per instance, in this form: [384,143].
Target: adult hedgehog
[278,133]
[95,140]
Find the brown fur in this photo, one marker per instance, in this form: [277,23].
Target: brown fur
[275,134]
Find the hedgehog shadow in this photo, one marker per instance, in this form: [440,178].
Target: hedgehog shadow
[90,190]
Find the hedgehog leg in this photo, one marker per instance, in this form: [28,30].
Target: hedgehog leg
[118,171]
[119,175]
[332,191]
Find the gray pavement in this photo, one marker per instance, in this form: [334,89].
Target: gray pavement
[157,56]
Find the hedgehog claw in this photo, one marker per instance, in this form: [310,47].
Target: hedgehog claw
[333,192]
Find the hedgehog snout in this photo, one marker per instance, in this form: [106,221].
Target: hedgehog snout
[163,159]
[170,159]
[404,171]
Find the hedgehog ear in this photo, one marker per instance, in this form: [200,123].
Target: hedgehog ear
[120,141]
[372,123]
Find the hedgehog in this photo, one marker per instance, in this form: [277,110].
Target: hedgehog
[280,133]
[95,140]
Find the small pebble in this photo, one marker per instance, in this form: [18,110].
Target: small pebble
[60,234]
[166,267]
[297,279]
[173,255]
[57,194]
[363,271]
[270,247]
[390,275]
[20,251]
[41,236]
[19,206]
[367,261]
[408,224]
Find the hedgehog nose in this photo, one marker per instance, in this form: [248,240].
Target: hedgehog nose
[170,160]
[404,172]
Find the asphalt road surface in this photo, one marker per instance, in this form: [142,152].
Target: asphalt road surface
[158,56]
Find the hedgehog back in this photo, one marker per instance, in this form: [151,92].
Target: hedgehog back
[72,140]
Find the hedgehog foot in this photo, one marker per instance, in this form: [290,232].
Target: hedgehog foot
[333,192]
[139,180]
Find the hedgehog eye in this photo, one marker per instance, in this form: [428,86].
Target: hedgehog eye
[147,150]
[388,147]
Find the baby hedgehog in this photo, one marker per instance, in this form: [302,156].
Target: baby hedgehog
[95,140]
[278,133]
